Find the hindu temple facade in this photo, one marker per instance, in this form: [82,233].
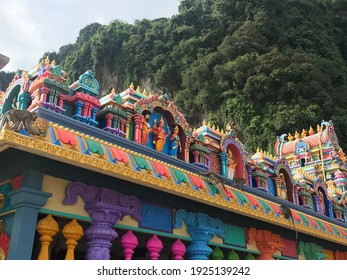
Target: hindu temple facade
[125,177]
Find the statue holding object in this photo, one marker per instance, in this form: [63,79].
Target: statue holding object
[146,129]
[175,145]
[159,135]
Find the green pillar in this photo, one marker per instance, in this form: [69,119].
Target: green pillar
[27,201]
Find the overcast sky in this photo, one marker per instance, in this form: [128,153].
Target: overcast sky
[29,28]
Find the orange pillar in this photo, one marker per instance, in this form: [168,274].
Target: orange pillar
[266,241]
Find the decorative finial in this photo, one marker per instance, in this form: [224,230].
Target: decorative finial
[296,135]
[218,129]
[144,92]
[258,150]
[131,86]
[204,122]
[138,89]
[113,90]
[194,130]
[222,131]
[214,127]
[47,61]
[311,131]
[53,63]
[318,128]
[150,94]
[209,124]
[290,137]
[303,133]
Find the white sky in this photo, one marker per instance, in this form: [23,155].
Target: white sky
[29,28]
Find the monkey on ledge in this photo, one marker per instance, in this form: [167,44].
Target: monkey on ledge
[19,119]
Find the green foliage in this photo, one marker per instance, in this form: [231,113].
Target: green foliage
[271,66]
[5,79]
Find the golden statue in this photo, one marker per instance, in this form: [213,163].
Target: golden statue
[146,129]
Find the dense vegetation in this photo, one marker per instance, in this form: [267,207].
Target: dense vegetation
[5,79]
[271,66]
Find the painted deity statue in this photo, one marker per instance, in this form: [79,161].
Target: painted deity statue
[159,135]
[283,187]
[175,145]
[146,129]
[321,202]
[231,166]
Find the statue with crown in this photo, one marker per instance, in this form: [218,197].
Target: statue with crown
[159,135]
[175,143]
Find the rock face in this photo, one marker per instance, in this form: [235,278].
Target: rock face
[3,61]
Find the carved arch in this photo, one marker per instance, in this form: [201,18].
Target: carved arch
[320,187]
[281,166]
[235,147]
[162,105]
[12,93]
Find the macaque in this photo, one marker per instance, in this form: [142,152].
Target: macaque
[19,119]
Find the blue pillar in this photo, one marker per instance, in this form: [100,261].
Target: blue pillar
[201,228]
[198,248]
[27,200]
[330,209]
[250,179]
[23,100]
[224,161]
[79,105]
[94,111]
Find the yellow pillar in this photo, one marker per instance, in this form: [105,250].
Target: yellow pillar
[278,186]
[72,232]
[47,228]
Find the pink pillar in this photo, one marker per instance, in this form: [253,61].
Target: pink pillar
[44,91]
[178,250]
[109,118]
[61,99]
[129,243]
[122,124]
[196,156]
[137,132]
[154,246]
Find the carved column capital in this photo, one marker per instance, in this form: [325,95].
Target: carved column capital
[266,241]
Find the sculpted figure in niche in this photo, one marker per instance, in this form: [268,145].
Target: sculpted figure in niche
[321,202]
[159,135]
[146,129]
[175,145]
[283,186]
[231,166]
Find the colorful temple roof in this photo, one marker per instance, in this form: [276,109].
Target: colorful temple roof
[144,139]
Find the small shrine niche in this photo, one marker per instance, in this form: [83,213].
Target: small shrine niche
[235,164]
[302,154]
[82,102]
[158,125]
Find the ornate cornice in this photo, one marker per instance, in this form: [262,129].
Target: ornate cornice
[40,146]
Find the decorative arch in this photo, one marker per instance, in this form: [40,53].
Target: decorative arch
[12,93]
[322,191]
[235,147]
[281,166]
[161,104]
